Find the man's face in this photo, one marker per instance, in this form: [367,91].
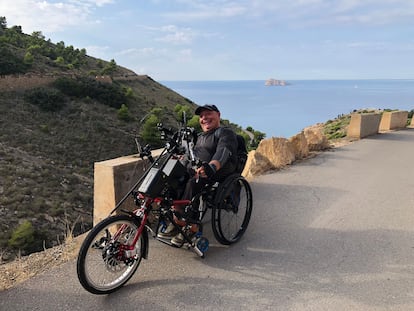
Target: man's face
[209,120]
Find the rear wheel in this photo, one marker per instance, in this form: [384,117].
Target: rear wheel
[106,259]
[232,209]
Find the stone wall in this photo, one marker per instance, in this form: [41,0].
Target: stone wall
[130,77]
[29,81]
[24,82]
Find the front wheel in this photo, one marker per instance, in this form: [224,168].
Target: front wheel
[232,209]
[107,258]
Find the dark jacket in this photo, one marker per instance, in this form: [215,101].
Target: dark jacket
[219,144]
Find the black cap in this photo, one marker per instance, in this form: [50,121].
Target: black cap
[206,107]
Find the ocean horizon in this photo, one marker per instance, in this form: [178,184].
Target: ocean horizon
[283,111]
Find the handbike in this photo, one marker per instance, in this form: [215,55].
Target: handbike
[114,248]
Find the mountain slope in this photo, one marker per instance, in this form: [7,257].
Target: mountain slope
[50,135]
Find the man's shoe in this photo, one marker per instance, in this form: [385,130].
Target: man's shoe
[168,233]
[179,239]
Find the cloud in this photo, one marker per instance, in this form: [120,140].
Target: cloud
[297,12]
[175,35]
[204,10]
[97,51]
[185,55]
[100,2]
[350,12]
[375,46]
[146,51]
[171,34]
[48,16]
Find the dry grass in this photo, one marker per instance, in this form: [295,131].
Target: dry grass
[29,266]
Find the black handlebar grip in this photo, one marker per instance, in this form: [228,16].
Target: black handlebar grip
[209,169]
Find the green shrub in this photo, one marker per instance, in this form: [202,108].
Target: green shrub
[194,123]
[28,59]
[45,99]
[60,61]
[23,236]
[180,109]
[150,133]
[108,94]
[335,129]
[123,113]
[45,128]
[110,68]
[129,92]
[258,136]
[11,63]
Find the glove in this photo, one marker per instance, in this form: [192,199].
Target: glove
[209,169]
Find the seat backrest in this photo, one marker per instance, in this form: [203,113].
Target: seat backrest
[241,151]
[241,154]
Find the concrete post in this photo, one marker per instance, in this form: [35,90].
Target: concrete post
[363,124]
[393,120]
[112,181]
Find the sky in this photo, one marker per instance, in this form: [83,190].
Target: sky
[232,39]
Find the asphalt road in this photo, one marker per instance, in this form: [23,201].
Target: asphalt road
[335,232]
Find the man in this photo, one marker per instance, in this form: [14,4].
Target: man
[216,147]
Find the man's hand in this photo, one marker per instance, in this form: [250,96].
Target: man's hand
[209,169]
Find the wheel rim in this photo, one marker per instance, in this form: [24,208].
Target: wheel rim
[233,212]
[107,265]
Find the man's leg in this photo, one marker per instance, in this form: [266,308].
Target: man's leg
[193,187]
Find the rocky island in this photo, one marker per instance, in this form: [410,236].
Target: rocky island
[275,82]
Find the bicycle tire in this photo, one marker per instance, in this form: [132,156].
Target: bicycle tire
[102,265]
[232,209]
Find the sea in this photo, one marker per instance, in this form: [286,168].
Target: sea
[284,111]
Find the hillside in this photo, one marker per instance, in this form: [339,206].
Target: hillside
[57,120]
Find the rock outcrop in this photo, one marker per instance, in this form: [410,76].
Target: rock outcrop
[274,82]
[275,153]
[277,150]
[316,139]
[300,146]
[257,164]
